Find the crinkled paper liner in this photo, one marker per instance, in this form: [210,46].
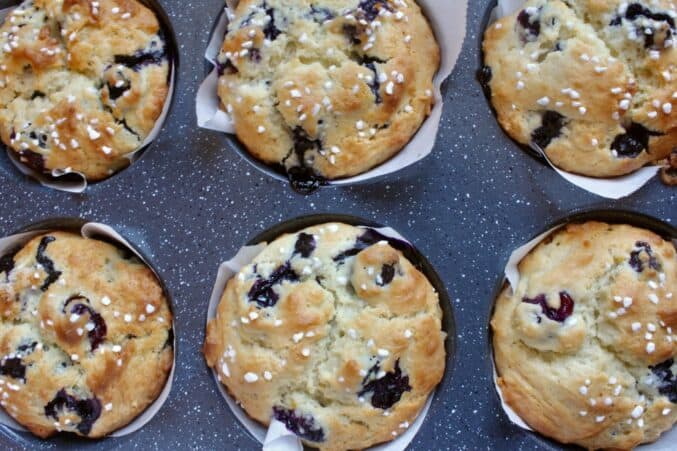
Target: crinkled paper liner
[78,186]
[448,21]
[611,188]
[277,437]
[93,230]
[665,443]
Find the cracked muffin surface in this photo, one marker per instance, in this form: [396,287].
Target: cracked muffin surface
[82,83]
[327,89]
[593,83]
[86,340]
[334,333]
[585,345]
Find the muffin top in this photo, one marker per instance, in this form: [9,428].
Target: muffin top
[85,336]
[82,83]
[591,82]
[334,333]
[585,344]
[327,89]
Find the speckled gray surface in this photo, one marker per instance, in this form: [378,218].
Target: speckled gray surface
[190,202]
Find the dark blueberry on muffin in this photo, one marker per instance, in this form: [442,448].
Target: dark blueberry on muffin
[385,389]
[530,22]
[633,142]
[302,425]
[89,410]
[560,314]
[47,263]
[263,291]
[551,127]
[667,380]
[305,245]
[643,255]
[13,367]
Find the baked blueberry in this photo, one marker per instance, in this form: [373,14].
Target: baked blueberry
[560,314]
[551,128]
[387,389]
[89,410]
[633,142]
[667,379]
[263,292]
[643,255]
[530,23]
[302,425]
[305,245]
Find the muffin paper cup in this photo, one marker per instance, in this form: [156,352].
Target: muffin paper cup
[448,21]
[95,230]
[76,182]
[277,437]
[667,440]
[610,188]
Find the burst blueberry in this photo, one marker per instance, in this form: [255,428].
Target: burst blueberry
[303,425]
[305,245]
[387,390]
[47,263]
[89,410]
[262,291]
[560,314]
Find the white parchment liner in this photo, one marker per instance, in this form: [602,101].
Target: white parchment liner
[666,442]
[448,21]
[277,437]
[93,230]
[78,186]
[611,188]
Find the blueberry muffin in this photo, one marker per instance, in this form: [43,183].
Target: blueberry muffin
[85,336]
[327,89]
[585,345]
[334,333]
[591,82]
[82,83]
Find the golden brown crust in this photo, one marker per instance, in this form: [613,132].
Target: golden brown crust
[96,86]
[345,87]
[328,337]
[587,378]
[609,98]
[80,320]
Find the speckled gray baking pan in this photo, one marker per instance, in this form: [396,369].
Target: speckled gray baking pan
[612,216]
[189,203]
[172,53]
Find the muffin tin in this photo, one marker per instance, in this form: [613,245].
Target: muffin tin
[191,202]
